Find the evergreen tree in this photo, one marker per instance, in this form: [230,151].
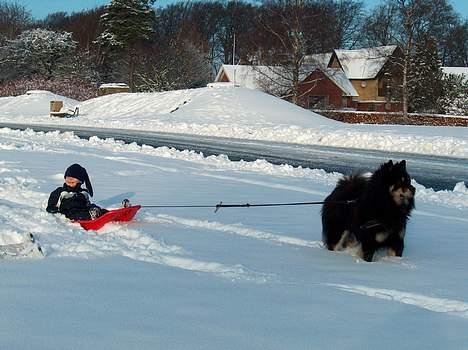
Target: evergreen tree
[425,85]
[126,25]
[455,98]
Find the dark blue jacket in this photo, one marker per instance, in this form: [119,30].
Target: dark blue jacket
[74,202]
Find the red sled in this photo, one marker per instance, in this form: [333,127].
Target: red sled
[116,215]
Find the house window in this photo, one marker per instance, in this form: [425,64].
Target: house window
[371,107]
[318,102]
[383,82]
[344,102]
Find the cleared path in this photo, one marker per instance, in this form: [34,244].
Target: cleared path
[431,171]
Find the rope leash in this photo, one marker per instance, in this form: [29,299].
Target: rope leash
[247,205]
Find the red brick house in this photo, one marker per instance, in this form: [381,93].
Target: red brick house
[371,72]
[326,88]
[352,79]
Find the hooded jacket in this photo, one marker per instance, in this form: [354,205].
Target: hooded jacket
[73,202]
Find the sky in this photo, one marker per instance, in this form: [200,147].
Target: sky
[40,9]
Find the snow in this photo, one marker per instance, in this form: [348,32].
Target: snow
[256,278]
[463,71]
[113,85]
[339,78]
[232,112]
[364,63]
[245,278]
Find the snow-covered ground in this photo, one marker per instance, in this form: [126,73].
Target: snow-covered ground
[235,113]
[254,278]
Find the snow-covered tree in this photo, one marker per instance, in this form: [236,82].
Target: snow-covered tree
[37,52]
[455,98]
[126,24]
[425,86]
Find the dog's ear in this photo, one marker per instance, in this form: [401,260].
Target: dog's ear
[402,165]
[389,164]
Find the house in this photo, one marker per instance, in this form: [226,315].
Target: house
[339,90]
[370,71]
[363,79]
[326,88]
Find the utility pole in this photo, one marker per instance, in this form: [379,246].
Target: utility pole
[233,57]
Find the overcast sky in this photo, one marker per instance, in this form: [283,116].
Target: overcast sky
[40,9]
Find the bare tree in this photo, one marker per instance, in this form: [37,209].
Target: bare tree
[348,17]
[14,18]
[455,49]
[284,21]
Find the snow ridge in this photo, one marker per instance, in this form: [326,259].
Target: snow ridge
[442,305]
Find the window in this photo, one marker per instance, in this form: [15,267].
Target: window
[317,102]
[383,86]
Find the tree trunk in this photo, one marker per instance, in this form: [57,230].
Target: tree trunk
[404,86]
[131,73]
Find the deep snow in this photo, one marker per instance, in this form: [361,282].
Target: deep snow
[254,278]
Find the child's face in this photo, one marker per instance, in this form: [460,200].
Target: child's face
[71,181]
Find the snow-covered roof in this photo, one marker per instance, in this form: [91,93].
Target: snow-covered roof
[364,63]
[339,78]
[113,85]
[318,59]
[457,71]
[246,75]
[250,76]
[260,77]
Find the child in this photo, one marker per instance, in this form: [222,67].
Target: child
[73,201]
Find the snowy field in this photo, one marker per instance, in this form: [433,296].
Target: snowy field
[255,278]
[234,113]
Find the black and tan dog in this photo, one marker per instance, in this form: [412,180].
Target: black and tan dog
[377,216]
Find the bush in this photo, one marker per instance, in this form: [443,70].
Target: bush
[73,88]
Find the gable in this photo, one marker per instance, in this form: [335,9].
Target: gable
[363,63]
[334,62]
[337,77]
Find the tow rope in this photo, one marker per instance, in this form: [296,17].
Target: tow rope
[247,205]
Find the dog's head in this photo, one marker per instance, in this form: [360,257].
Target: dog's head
[398,182]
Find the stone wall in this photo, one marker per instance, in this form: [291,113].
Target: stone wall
[394,118]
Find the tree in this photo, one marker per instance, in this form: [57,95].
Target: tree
[407,23]
[14,18]
[284,22]
[455,94]
[380,27]
[455,48]
[347,16]
[236,30]
[38,52]
[127,24]
[425,75]
[179,66]
[83,25]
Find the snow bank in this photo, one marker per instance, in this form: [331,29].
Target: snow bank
[236,113]
[35,104]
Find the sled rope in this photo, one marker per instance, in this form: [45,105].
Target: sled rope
[247,205]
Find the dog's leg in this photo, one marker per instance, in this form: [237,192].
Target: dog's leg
[367,254]
[342,242]
[396,249]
